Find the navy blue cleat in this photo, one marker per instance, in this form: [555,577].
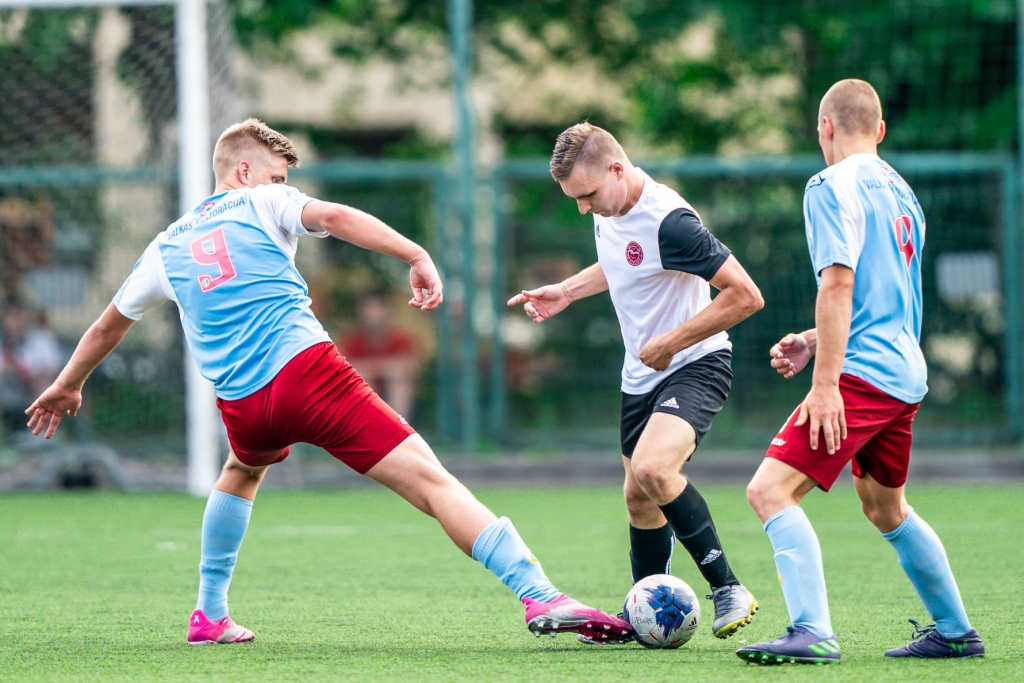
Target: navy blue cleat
[930,644]
[796,646]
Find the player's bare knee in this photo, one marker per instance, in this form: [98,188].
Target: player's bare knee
[639,505]
[765,497]
[655,479]
[237,470]
[884,516]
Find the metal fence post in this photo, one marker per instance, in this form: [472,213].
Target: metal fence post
[447,425]
[461,19]
[1012,269]
[498,403]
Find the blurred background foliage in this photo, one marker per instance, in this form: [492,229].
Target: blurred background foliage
[710,78]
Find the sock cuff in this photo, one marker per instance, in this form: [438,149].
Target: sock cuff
[689,502]
[226,504]
[488,539]
[911,524]
[658,533]
[785,519]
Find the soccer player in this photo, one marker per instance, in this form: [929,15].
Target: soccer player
[866,231]
[229,266]
[656,258]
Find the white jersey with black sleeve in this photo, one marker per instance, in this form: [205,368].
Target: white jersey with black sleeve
[658,259]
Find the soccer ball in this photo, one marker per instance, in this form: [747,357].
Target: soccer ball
[663,610]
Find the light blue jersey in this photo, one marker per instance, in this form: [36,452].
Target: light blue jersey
[861,214]
[229,265]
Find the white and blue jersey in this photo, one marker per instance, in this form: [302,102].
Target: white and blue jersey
[861,214]
[229,265]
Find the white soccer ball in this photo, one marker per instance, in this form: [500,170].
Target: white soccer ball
[663,610]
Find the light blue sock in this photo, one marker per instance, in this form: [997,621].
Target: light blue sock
[224,525]
[924,560]
[500,549]
[798,560]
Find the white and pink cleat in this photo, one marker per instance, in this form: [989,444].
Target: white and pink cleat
[565,614]
[202,631]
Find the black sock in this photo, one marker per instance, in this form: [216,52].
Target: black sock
[650,551]
[690,519]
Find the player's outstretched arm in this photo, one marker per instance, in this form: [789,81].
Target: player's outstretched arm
[549,300]
[823,407]
[794,352]
[738,299]
[369,232]
[65,394]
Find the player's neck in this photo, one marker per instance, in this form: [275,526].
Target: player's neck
[847,147]
[226,186]
[634,188]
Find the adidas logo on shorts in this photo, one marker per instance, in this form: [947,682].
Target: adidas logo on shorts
[671,403]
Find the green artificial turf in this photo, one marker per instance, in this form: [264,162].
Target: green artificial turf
[357,585]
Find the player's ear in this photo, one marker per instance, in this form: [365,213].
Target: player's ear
[617,168]
[827,128]
[243,171]
[881,132]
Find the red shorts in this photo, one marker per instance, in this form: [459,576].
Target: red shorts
[317,398]
[878,438]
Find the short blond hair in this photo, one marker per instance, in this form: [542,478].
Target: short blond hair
[854,107]
[584,145]
[242,138]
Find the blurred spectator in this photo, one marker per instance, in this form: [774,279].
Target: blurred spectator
[30,359]
[386,356]
[27,234]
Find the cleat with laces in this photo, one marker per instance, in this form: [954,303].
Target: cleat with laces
[202,631]
[734,608]
[565,614]
[796,646]
[928,643]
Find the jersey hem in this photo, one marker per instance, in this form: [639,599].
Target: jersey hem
[888,391]
[727,346]
[130,317]
[829,262]
[249,391]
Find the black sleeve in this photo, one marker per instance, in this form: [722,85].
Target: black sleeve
[687,246]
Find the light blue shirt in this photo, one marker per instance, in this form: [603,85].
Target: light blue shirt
[229,265]
[861,214]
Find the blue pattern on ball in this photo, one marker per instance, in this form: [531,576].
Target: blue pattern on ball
[670,607]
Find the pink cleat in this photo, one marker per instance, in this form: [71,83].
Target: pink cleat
[565,614]
[202,631]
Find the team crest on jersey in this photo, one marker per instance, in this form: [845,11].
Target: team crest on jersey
[634,254]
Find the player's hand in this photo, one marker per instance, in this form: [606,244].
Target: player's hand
[791,355]
[542,303]
[48,410]
[657,354]
[426,284]
[827,414]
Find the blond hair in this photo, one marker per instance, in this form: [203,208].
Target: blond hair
[241,138]
[586,146]
[854,107]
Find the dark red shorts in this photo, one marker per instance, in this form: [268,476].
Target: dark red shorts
[317,398]
[878,439]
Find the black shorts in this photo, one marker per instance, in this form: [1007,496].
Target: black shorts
[694,392]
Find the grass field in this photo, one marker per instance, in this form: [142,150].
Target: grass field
[356,585]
